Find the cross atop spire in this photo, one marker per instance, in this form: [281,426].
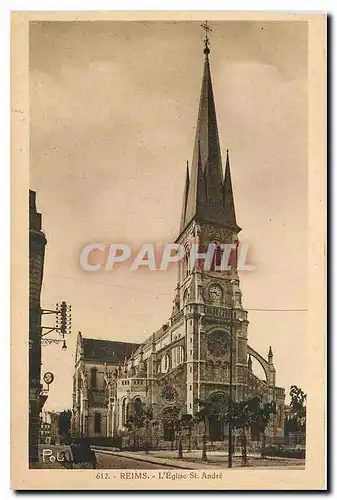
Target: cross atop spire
[207,30]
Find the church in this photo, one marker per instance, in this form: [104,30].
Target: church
[188,358]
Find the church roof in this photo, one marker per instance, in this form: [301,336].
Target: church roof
[207,195]
[107,350]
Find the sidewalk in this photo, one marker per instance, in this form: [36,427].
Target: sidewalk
[50,465]
[153,458]
[192,459]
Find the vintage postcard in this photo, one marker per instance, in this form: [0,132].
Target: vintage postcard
[168,251]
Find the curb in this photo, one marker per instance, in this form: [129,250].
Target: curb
[173,464]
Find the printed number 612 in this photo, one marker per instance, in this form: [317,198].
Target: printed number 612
[102,475]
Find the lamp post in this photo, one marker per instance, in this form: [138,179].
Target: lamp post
[230,401]
[233,320]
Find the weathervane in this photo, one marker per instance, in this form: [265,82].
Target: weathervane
[207,30]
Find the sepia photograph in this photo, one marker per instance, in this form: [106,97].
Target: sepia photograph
[169,220]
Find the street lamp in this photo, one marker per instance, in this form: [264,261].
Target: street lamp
[230,401]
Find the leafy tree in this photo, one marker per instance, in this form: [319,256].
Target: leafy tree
[248,414]
[296,420]
[148,419]
[172,421]
[140,417]
[205,415]
[183,424]
[132,425]
[188,422]
[298,407]
[179,436]
[242,417]
[262,413]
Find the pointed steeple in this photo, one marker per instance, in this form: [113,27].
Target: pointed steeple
[270,356]
[228,195]
[183,211]
[206,196]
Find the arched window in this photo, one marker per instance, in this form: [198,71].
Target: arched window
[226,370]
[181,354]
[218,371]
[137,404]
[186,270]
[217,256]
[165,364]
[233,258]
[177,355]
[125,412]
[174,357]
[97,423]
[229,298]
[93,380]
[237,299]
[168,418]
[216,424]
[210,370]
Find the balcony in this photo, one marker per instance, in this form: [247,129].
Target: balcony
[132,384]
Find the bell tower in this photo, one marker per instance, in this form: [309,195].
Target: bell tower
[208,226]
[208,211]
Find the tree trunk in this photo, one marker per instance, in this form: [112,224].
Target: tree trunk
[147,438]
[189,438]
[134,440]
[173,437]
[244,448]
[263,446]
[180,447]
[204,443]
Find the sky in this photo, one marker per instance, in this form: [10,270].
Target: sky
[113,110]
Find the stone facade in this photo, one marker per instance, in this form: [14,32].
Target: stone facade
[188,359]
[97,365]
[37,243]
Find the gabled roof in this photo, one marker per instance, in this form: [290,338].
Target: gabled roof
[107,350]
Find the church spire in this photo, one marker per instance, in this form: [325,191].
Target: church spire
[207,198]
[228,195]
[187,185]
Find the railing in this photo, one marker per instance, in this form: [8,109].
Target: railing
[225,313]
[133,382]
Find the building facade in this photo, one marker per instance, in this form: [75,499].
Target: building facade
[37,243]
[98,364]
[188,359]
[49,428]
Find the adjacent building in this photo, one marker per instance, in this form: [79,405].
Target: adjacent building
[98,364]
[49,428]
[37,243]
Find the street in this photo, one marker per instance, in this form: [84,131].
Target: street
[105,461]
[52,457]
